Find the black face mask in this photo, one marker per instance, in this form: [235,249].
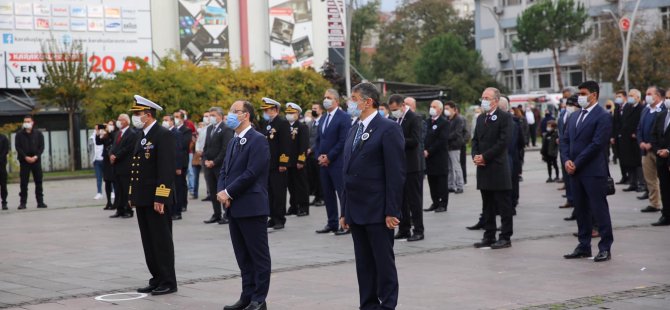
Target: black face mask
[608,107]
[314,114]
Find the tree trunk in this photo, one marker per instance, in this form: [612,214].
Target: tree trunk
[557,65]
[70,114]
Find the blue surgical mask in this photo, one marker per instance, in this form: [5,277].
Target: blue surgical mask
[266,116]
[352,109]
[232,121]
[486,106]
[631,100]
[381,112]
[618,100]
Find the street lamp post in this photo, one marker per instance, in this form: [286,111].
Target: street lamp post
[623,73]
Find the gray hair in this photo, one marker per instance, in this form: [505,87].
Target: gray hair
[333,93]
[367,90]
[496,92]
[503,104]
[217,110]
[125,117]
[439,104]
[635,92]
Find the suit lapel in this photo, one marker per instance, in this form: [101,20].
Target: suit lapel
[588,118]
[372,127]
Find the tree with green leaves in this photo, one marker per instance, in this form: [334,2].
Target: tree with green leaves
[363,20]
[445,60]
[67,82]
[402,39]
[551,24]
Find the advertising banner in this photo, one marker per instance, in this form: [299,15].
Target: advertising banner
[291,31]
[203,30]
[110,32]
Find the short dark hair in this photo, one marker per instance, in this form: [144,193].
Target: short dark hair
[384,104]
[396,99]
[29,116]
[368,90]
[552,124]
[248,108]
[180,113]
[572,100]
[621,91]
[451,104]
[591,86]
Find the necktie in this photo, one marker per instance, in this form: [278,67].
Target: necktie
[325,123]
[118,139]
[357,138]
[581,117]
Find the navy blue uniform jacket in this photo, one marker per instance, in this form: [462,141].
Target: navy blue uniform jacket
[587,145]
[245,175]
[374,173]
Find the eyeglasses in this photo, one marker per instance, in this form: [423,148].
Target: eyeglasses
[237,111]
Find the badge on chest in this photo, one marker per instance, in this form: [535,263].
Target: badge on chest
[147,149]
[272,133]
[294,132]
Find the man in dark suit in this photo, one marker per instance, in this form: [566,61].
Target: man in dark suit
[412,201]
[490,141]
[297,174]
[437,158]
[333,129]
[277,131]
[4,150]
[571,106]
[624,130]
[584,147]
[180,153]
[29,145]
[218,136]
[312,163]
[151,194]
[185,137]
[120,156]
[660,144]
[374,176]
[243,190]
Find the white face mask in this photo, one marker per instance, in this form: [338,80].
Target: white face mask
[447,113]
[212,120]
[28,125]
[110,128]
[432,112]
[583,101]
[118,124]
[486,106]
[327,103]
[165,124]
[571,109]
[667,103]
[291,118]
[397,114]
[178,122]
[550,129]
[137,122]
[308,119]
[649,99]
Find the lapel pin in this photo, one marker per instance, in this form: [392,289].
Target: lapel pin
[365,136]
[494,117]
[268,128]
[243,141]
[144,141]
[434,127]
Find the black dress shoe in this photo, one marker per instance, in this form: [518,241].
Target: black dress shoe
[184,209]
[484,243]
[4,206]
[22,206]
[641,189]
[431,208]
[271,224]
[223,221]
[603,256]
[291,211]
[147,289]
[441,209]
[451,190]
[663,221]
[278,226]
[213,219]
[501,244]
[238,305]
[302,213]
[318,203]
[649,209]
[564,196]
[630,189]
[41,206]
[108,206]
[127,215]
[459,191]
[116,215]
[644,196]
[326,229]
[163,290]
[254,305]
[176,217]
[415,237]
[402,235]
[571,218]
[342,232]
[477,226]
[577,253]
[206,199]
[566,206]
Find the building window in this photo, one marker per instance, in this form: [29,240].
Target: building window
[511,2]
[572,76]
[510,36]
[598,24]
[665,17]
[542,78]
[508,79]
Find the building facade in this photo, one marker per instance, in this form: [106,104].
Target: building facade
[495,30]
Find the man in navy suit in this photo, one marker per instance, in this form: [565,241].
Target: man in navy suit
[584,146]
[243,190]
[333,129]
[374,177]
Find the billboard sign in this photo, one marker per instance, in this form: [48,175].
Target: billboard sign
[203,30]
[291,33]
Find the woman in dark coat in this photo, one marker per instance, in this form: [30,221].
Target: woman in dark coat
[105,137]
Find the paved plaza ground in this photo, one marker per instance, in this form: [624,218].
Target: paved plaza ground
[69,254]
